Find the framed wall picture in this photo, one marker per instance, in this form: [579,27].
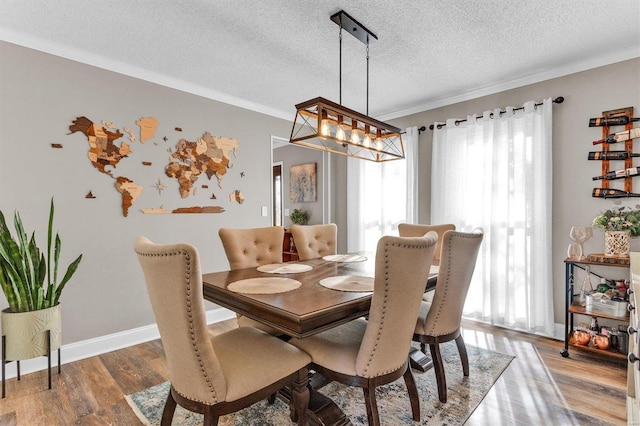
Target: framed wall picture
[303,183]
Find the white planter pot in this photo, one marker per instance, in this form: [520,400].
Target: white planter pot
[617,243]
[26,335]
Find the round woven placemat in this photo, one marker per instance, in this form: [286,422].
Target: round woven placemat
[345,258]
[264,285]
[348,283]
[285,268]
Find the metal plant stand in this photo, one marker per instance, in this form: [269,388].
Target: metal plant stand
[4,362]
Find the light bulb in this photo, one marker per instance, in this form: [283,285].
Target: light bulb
[355,137]
[379,144]
[367,137]
[340,134]
[325,130]
[355,133]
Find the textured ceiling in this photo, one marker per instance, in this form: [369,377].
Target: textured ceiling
[270,55]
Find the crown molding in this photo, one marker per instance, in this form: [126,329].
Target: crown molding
[129,70]
[606,58]
[47,46]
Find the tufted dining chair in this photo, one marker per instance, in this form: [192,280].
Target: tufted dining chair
[249,248]
[439,320]
[370,353]
[213,375]
[412,230]
[314,241]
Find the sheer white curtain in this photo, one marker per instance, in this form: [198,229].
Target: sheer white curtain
[381,195]
[495,173]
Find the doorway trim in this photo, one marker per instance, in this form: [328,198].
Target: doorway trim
[273,195]
[325,194]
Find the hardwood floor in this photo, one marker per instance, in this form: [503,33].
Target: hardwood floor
[538,387]
[542,387]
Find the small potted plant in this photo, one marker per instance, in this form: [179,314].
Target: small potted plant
[30,283]
[299,216]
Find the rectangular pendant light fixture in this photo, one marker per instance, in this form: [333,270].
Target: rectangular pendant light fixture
[328,126]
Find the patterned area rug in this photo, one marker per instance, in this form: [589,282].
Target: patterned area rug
[464,395]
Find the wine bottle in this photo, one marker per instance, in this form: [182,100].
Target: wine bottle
[620,136]
[612,193]
[611,155]
[619,174]
[611,121]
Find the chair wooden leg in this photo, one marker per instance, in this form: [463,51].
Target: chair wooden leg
[271,399]
[438,367]
[300,397]
[462,350]
[412,390]
[423,348]
[169,409]
[372,406]
[210,419]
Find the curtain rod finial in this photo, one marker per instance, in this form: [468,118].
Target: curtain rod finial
[558,100]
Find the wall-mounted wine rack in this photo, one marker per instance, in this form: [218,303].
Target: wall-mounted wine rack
[628,147]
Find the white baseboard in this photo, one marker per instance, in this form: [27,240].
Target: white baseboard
[558,331]
[112,342]
[103,344]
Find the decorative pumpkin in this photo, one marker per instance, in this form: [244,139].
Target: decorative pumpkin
[601,341]
[582,337]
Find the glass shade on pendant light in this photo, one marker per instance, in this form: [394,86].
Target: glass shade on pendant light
[366,141]
[378,142]
[325,129]
[340,135]
[355,133]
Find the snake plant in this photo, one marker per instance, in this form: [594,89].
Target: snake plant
[23,267]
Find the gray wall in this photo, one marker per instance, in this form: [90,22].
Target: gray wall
[40,95]
[586,95]
[293,156]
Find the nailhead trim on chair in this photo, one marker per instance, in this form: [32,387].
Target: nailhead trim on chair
[446,287]
[191,329]
[384,304]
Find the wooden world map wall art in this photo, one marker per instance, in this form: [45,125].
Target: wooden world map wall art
[208,155]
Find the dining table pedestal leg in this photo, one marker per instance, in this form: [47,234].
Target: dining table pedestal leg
[419,361]
[322,410]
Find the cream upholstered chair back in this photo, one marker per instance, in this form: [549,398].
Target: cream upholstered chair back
[248,248]
[402,268]
[459,254]
[411,230]
[314,241]
[174,284]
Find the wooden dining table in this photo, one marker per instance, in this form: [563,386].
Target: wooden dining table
[302,312]
[307,310]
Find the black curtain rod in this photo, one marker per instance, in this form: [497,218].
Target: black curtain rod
[557,100]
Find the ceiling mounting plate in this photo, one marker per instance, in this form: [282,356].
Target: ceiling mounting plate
[353,27]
